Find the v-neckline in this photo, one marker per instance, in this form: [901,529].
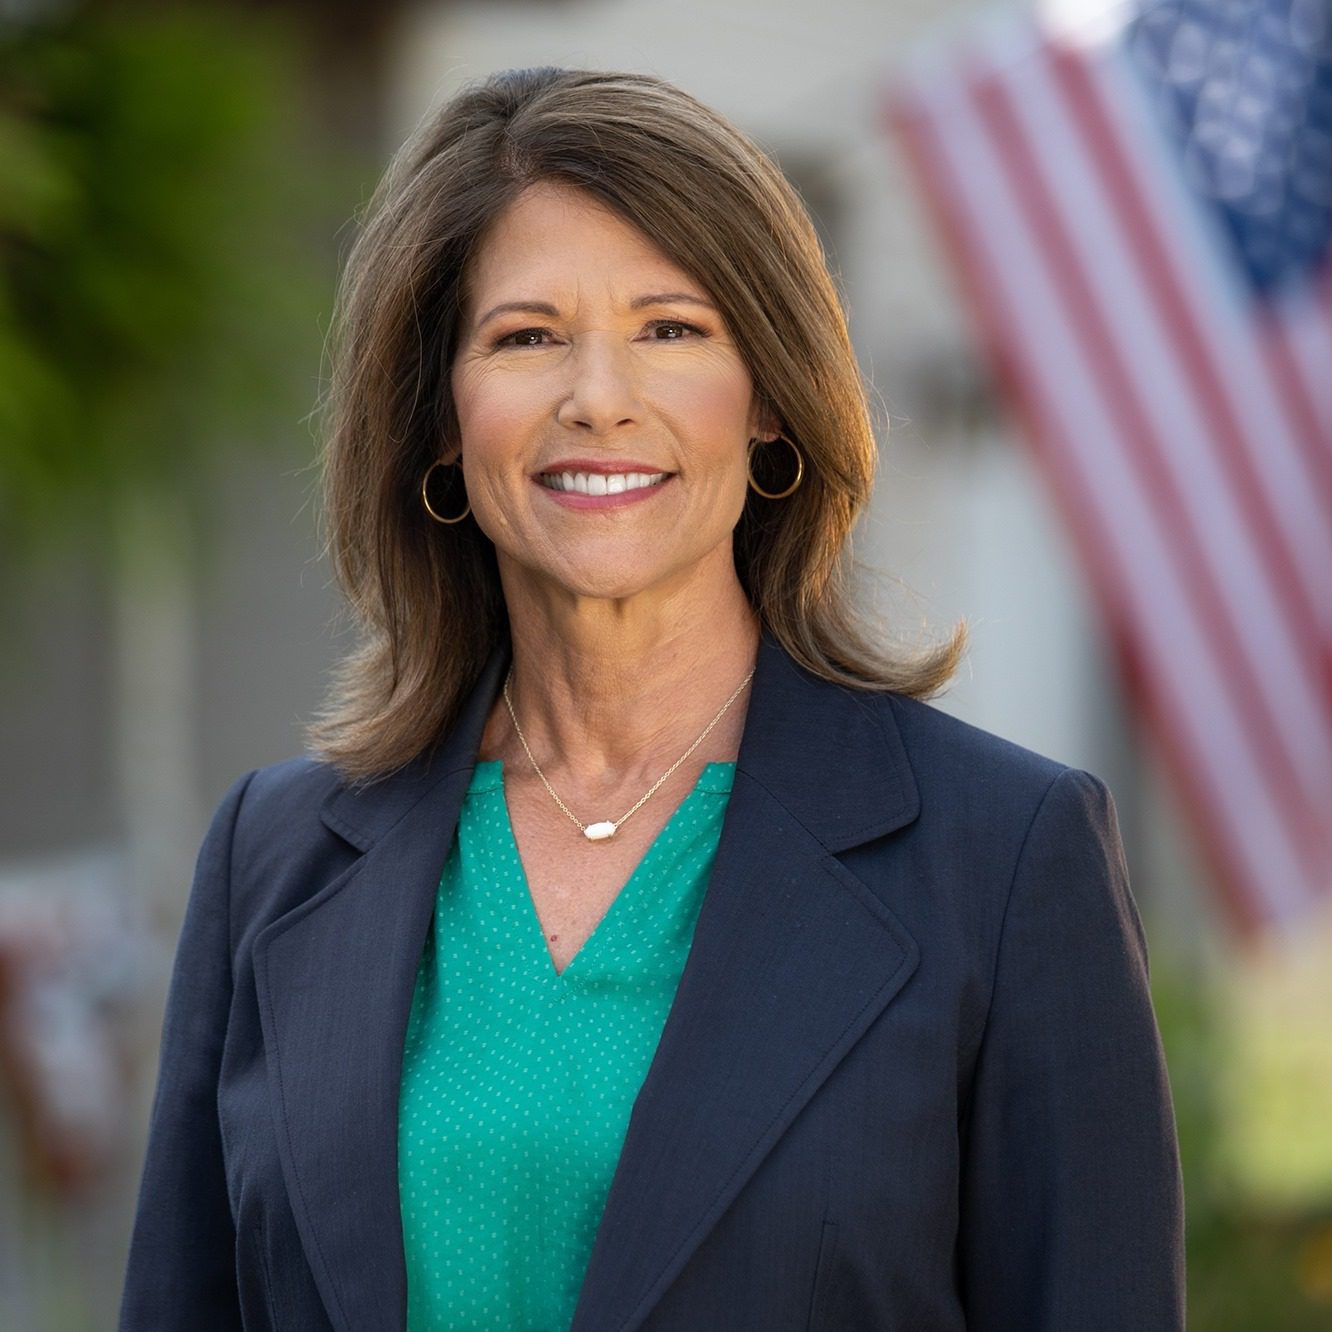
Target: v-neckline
[532,928]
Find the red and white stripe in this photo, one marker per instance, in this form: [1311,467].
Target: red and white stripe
[1188,443]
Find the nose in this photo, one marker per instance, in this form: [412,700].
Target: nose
[602,393]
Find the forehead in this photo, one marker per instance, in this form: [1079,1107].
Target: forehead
[557,234]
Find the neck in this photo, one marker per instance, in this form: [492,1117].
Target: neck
[613,691]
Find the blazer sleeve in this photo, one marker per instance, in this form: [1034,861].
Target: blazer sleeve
[181,1270]
[1072,1209]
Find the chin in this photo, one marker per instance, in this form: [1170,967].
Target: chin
[609,573]
[606,586]
[622,579]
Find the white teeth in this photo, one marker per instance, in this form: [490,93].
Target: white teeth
[601,483]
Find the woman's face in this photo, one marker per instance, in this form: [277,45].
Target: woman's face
[604,409]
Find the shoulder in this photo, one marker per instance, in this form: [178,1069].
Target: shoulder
[277,800]
[956,762]
[1000,792]
[270,841]
[1006,844]
[856,764]
[939,743]
[284,797]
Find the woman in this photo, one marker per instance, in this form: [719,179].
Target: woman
[618,810]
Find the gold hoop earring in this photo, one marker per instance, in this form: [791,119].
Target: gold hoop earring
[779,494]
[425,497]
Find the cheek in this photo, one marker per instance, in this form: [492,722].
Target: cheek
[713,407]
[491,410]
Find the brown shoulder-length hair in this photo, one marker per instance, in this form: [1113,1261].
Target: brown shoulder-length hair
[426,597]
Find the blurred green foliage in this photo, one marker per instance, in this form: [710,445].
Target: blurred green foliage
[1248,1270]
[159,189]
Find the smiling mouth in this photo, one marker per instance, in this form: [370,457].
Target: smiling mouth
[601,483]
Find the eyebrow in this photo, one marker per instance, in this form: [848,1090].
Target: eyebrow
[671,298]
[638,303]
[517,307]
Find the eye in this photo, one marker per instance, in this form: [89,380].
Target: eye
[674,330]
[524,337]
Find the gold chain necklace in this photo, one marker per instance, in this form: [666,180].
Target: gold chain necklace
[599,832]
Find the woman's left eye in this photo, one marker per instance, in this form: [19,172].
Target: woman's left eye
[673,330]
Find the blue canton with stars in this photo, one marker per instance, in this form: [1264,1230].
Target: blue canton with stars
[1244,90]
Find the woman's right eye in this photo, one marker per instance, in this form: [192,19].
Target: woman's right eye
[524,337]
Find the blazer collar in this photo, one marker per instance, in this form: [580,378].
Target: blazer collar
[363,813]
[828,754]
[793,957]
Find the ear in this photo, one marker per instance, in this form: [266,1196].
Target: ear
[764,423]
[450,436]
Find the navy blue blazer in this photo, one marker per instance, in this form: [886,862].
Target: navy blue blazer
[911,1078]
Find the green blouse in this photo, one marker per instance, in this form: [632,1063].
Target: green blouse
[518,1081]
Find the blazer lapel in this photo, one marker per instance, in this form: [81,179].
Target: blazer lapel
[335,978]
[793,958]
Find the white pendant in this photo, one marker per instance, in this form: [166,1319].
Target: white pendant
[598,832]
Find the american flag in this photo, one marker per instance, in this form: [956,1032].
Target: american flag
[1138,200]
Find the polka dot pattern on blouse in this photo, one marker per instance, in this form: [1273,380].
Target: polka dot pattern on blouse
[518,1081]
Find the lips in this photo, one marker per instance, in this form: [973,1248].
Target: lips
[600,483]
